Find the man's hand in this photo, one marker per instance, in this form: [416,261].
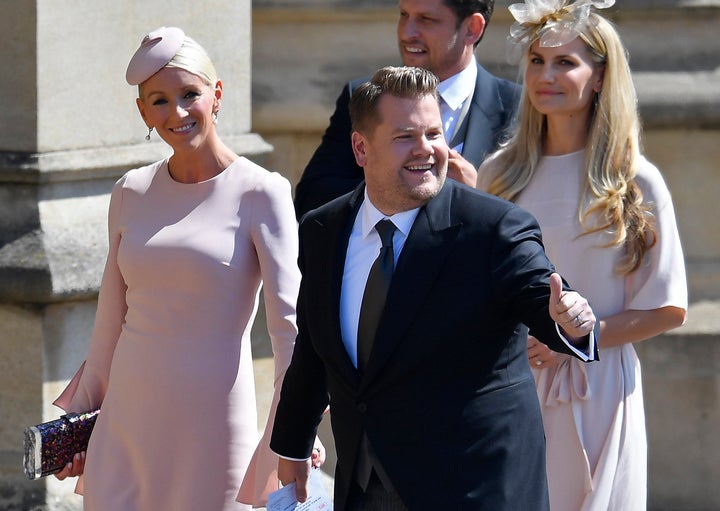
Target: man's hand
[570,310]
[460,169]
[295,471]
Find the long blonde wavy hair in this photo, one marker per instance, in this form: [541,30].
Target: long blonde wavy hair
[611,200]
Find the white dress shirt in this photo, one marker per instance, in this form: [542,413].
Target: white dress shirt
[363,248]
[456,93]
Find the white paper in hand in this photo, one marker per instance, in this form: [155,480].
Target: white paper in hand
[318,499]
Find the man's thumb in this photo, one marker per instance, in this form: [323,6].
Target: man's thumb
[555,288]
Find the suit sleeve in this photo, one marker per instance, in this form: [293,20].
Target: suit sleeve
[332,170]
[523,274]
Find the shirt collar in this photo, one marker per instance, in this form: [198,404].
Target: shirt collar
[458,87]
[370,215]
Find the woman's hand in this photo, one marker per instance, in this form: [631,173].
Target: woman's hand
[318,454]
[540,355]
[460,169]
[74,468]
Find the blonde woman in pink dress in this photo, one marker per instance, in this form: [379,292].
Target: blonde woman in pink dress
[192,239]
[608,225]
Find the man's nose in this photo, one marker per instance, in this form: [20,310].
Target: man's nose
[407,28]
[423,146]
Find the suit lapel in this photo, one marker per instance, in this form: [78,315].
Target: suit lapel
[338,226]
[477,128]
[430,240]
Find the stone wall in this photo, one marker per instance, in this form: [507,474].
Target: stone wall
[70,129]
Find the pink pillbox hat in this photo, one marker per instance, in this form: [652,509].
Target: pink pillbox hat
[156,50]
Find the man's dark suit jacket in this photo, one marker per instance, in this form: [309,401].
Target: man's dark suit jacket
[332,171]
[447,400]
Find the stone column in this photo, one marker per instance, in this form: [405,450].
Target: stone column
[69,129]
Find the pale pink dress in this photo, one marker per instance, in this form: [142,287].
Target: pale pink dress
[593,413]
[170,358]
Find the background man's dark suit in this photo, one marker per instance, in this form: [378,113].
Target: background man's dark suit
[332,170]
[447,400]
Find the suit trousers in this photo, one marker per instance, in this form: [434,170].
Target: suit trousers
[375,497]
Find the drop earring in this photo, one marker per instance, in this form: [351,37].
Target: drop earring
[147,137]
[215,116]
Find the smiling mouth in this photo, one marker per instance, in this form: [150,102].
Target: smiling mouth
[183,128]
[413,49]
[420,168]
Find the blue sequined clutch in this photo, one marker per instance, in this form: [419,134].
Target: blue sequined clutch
[51,445]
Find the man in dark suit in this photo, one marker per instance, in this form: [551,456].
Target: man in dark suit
[440,410]
[438,35]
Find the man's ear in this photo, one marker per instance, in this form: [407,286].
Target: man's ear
[359,144]
[474,28]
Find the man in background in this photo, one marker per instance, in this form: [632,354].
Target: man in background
[476,107]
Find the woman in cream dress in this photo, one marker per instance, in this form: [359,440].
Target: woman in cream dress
[609,227]
[192,238]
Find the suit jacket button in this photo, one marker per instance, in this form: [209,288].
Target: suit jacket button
[362,408]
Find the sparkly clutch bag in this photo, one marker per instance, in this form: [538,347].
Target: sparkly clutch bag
[51,445]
